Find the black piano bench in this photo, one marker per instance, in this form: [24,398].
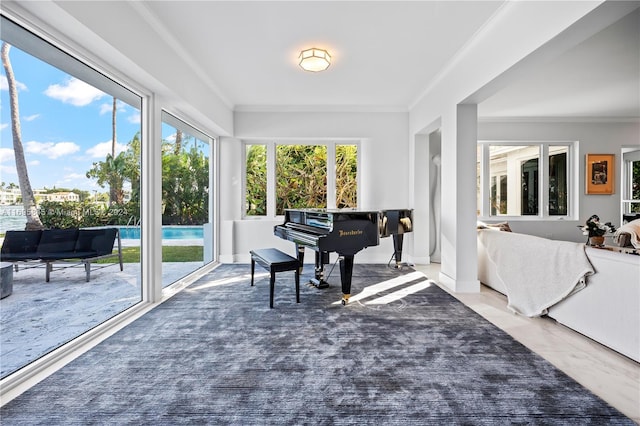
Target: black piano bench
[275,261]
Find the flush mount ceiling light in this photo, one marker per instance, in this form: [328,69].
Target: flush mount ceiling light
[314,59]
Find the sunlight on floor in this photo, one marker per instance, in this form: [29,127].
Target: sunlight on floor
[397,295]
[387,285]
[223,281]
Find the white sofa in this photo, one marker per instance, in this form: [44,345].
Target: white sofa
[607,310]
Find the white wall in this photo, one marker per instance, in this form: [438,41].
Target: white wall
[593,138]
[384,155]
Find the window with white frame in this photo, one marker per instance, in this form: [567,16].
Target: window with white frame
[82,132]
[525,179]
[280,176]
[631,181]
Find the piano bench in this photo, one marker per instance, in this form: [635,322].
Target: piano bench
[275,261]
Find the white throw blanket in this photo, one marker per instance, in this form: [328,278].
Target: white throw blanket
[632,228]
[537,272]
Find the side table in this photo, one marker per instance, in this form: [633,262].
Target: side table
[6,279]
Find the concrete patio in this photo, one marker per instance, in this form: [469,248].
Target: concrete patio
[39,316]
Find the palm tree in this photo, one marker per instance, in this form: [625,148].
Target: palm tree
[113,179]
[29,201]
[116,167]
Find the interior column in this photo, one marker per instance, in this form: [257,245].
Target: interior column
[230,175]
[459,264]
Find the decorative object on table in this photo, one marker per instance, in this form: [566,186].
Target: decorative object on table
[600,174]
[595,231]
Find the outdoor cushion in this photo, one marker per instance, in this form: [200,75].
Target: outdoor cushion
[66,255]
[98,241]
[57,241]
[20,244]
[15,257]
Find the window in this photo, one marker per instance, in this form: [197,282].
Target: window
[302,176]
[256,180]
[81,140]
[630,181]
[346,176]
[524,179]
[185,198]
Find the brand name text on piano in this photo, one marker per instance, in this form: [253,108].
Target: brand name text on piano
[350,233]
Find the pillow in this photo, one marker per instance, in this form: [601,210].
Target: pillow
[502,226]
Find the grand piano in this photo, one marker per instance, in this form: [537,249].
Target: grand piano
[344,231]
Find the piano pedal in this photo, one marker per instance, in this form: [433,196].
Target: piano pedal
[345,299]
[319,283]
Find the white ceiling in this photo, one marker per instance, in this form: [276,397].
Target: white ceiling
[598,78]
[385,54]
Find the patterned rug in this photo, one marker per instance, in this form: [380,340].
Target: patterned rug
[402,352]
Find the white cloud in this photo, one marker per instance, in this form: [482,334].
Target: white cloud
[4,85]
[134,118]
[30,117]
[6,154]
[75,92]
[107,107]
[34,163]
[50,149]
[103,148]
[74,177]
[4,126]
[8,170]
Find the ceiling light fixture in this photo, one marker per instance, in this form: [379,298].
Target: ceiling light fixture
[314,59]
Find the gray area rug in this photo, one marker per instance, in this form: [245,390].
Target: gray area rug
[402,352]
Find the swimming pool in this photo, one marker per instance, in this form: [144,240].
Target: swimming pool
[169,232]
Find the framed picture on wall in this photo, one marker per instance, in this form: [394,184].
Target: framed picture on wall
[600,173]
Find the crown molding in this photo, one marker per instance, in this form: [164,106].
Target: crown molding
[321,108]
[558,119]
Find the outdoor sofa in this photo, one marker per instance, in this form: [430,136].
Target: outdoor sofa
[70,247]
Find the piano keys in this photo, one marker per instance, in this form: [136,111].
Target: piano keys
[344,231]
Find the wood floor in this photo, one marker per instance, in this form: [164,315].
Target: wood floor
[613,377]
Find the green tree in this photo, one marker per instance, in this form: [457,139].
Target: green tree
[185,182]
[132,169]
[115,181]
[115,171]
[110,172]
[301,177]
[346,176]
[256,180]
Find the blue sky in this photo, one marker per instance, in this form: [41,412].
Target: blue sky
[66,125]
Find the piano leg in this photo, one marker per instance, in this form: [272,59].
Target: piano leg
[300,251]
[322,257]
[397,248]
[346,272]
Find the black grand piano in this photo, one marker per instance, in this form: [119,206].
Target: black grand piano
[344,231]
